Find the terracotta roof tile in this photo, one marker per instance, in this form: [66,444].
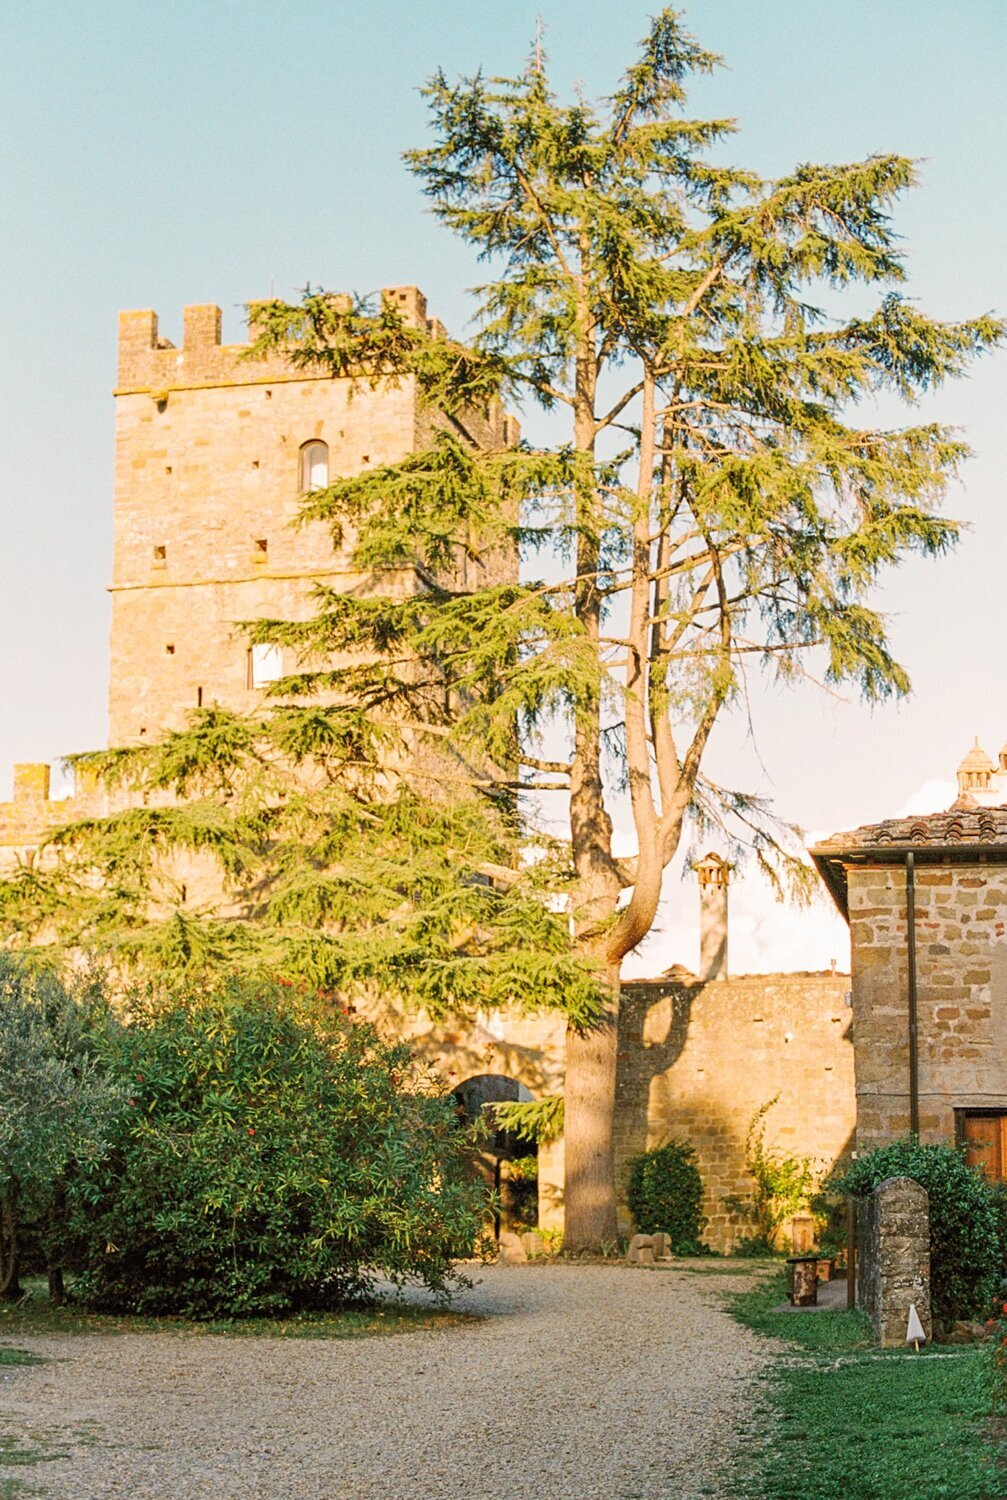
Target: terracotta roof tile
[965,822]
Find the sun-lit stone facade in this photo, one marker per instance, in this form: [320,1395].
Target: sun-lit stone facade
[213,455]
[956,863]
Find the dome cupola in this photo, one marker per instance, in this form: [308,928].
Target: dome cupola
[976,769]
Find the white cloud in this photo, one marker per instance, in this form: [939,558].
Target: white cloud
[932,796]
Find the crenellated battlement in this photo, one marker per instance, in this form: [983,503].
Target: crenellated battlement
[32,781]
[32,813]
[214,453]
[150,363]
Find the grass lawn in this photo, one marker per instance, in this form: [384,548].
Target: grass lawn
[844,1421]
[35,1315]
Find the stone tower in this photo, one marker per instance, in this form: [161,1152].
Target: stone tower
[213,453]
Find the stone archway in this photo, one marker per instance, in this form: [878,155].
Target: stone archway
[505,1158]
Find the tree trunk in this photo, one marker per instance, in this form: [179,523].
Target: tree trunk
[589,1095]
[10,1287]
[589,1109]
[55,1243]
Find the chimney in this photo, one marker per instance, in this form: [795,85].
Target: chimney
[714,873]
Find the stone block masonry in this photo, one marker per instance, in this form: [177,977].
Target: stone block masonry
[893,1271]
[697,1060]
[209,477]
[961,976]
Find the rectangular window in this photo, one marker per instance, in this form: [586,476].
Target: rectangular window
[983,1132]
[265,664]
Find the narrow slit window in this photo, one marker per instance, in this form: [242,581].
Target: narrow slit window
[265,664]
[199,697]
[314,466]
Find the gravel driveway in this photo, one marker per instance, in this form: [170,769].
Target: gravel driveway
[587,1382]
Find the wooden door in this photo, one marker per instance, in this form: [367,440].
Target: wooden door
[986,1144]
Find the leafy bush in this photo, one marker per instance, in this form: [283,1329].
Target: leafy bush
[999,1191]
[830,1223]
[57,1107]
[965,1245]
[274,1156]
[784,1183]
[664,1192]
[522,1191]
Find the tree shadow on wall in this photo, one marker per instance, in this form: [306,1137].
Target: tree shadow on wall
[654,1026]
[642,1059]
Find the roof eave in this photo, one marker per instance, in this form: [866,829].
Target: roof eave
[830,860]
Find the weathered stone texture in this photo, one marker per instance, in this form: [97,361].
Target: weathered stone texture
[961,978]
[696,1061]
[207,484]
[893,1268]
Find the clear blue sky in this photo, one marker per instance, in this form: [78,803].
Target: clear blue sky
[213,150]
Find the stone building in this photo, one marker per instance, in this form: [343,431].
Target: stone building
[926,900]
[213,455]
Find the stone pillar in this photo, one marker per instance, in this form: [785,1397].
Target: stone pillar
[714,873]
[803,1280]
[893,1259]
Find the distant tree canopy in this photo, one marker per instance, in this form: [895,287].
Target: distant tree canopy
[714,500]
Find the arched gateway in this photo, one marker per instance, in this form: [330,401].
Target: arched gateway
[507,1160]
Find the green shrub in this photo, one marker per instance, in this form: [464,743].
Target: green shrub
[784,1182]
[664,1192]
[965,1246]
[830,1223]
[274,1156]
[999,1191]
[57,1108]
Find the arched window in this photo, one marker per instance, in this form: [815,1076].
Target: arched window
[314,465]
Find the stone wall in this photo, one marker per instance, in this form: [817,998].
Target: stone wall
[893,1258]
[696,1061]
[207,483]
[961,967]
[32,812]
